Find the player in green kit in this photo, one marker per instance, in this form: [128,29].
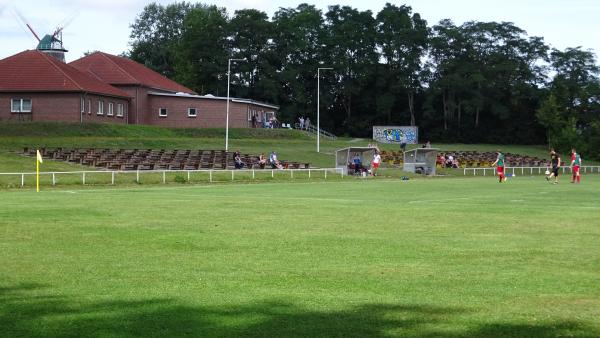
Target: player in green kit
[499,163]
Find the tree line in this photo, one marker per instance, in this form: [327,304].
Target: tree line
[475,82]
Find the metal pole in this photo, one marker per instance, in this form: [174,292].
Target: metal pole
[227,118]
[319,107]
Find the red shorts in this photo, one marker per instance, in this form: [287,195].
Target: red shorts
[575,169]
[375,165]
[500,170]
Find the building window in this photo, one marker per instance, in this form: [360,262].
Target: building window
[119,110]
[192,112]
[110,109]
[100,107]
[89,106]
[162,112]
[20,105]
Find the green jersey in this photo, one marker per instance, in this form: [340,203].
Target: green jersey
[576,159]
[500,160]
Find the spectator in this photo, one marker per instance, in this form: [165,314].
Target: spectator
[357,164]
[237,159]
[403,146]
[307,123]
[427,144]
[449,161]
[275,164]
[262,161]
[301,119]
[253,121]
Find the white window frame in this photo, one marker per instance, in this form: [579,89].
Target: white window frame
[110,111]
[160,114]
[20,101]
[119,110]
[82,105]
[89,106]
[100,108]
[190,112]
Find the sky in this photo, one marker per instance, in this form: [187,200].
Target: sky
[104,24]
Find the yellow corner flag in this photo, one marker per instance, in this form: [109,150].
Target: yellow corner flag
[38,160]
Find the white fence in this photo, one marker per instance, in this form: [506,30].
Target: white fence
[184,175]
[527,170]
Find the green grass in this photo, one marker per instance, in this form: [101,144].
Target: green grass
[465,257]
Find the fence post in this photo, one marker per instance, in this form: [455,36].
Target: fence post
[210,175]
[326,173]
[232,173]
[137,176]
[252,173]
[112,179]
[53,179]
[291,173]
[164,176]
[309,173]
[83,178]
[22,179]
[188,176]
[272,173]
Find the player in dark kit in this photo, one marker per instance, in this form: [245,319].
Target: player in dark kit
[575,164]
[555,160]
[500,168]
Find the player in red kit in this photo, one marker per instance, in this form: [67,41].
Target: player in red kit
[575,164]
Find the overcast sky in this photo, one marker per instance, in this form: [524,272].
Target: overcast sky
[104,24]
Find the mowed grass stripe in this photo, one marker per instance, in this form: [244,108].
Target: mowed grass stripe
[458,257]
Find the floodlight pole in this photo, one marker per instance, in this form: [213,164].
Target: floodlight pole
[319,107]
[227,115]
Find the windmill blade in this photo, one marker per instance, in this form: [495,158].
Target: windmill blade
[66,22]
[33,32]
[22,20]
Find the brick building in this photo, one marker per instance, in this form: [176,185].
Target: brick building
[144,96]
[37,87]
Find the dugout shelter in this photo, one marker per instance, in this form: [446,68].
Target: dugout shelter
[344,156]
[420,161]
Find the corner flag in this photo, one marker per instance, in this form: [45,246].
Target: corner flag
[38,160]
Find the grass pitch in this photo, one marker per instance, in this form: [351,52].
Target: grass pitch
[464,257]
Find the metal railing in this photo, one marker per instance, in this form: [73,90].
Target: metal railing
[211,174]
[528,170]
[313,130]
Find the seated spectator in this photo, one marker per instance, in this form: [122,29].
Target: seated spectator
[441,160]
[403,146]
[455,163]
[262,161]
[449,161]
[275,164]
[237,159]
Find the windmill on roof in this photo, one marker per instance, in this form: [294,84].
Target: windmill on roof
[51,44]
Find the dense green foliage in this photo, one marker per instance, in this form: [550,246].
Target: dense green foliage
[477,82]
[361,258]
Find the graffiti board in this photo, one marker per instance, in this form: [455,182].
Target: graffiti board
[395,134]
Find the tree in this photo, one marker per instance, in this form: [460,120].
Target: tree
[402,39]
[155,34]
[201,56]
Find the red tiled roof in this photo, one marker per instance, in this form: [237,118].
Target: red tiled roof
[118,70]
[35,71]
